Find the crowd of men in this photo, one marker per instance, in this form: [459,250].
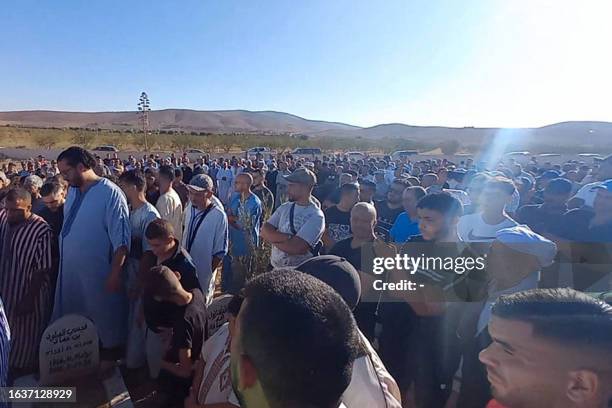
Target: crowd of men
[137,245]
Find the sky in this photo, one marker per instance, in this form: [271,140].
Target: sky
[497,63]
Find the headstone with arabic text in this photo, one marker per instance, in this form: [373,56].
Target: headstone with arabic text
[68,350]
[215,313]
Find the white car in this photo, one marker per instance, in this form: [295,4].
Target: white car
[307,152]
[254,150]
[403,154]
[354,156]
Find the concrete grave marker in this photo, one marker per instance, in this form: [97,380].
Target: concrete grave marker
[68,350]
[215,313]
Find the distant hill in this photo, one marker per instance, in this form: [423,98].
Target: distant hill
[589,134]
[175,119]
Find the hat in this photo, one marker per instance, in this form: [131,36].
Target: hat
[522,239]
[604,185]
[338,273]
[302,176]
[200,182]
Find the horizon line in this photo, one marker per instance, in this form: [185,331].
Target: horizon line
[311,120]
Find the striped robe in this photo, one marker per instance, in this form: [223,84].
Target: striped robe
[25,249]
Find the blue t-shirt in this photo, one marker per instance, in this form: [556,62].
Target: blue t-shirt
[248,212]
[403,228]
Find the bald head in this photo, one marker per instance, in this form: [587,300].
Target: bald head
[364,209]
[363,221]
[243,183]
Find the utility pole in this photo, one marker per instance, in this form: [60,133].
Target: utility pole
[143,113]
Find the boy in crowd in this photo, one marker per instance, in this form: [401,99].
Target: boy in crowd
[338,217]
[551,347]
[439,304]
[367,189]
[491,217]
[546,217]
[389,209]
[263,193]
[407,223]
[133,185]
[187,336]
[169,203]
[159,316]
[53,196]
[244,217]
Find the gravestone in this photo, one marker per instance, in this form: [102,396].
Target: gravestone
[215,313]
[69,350]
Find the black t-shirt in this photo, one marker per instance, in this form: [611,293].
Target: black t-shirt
[54,219]
[334,196]
[152,196]
[187,174]
[271,180]
[468,286]
[338,223]
[344,250]
[163,314]
[540,218]
[189,328]
[386,215]
[265,196]
[575,227]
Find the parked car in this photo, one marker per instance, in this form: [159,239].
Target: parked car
[354,156]
[106,148]
[196,151]
[254,150]
[403,154]
[310,152]
[518,154]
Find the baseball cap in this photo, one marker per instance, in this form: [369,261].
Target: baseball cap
[200,182]
[604,185]
[302,176]
[338,273]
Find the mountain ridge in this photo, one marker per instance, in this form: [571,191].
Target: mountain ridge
[275,122]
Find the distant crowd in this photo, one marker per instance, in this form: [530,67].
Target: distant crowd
[145,246]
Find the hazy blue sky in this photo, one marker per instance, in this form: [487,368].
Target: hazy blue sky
[426,62]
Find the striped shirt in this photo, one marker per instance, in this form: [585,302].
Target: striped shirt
[25,256]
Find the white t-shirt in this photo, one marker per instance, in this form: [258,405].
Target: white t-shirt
[587,194]
[309,223]
[472,228]
[216,385]
[371,384]
[208,241]
[170,209]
